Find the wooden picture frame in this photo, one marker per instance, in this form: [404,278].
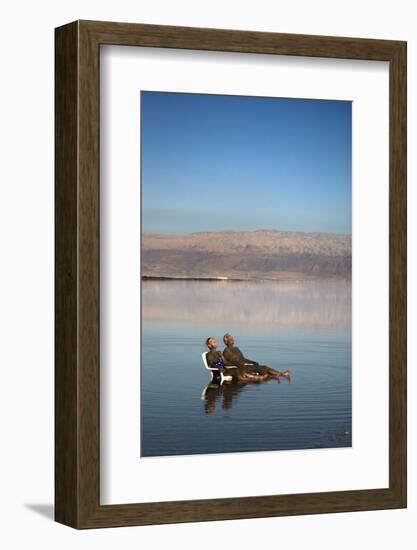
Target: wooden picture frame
[77,359]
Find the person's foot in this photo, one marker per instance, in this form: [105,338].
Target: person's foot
[284,374]
[287,374]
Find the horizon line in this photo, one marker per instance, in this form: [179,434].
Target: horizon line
[250,231]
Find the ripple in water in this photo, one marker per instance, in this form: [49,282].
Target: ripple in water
[305,326]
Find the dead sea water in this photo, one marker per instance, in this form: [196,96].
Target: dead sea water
[302,325]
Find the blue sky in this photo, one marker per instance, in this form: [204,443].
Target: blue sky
[215,163]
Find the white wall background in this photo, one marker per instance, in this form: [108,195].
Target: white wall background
[27,260]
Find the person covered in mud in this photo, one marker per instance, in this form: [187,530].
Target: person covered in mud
[233,356]
[215,359]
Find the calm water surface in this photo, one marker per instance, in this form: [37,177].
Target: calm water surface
[305,326]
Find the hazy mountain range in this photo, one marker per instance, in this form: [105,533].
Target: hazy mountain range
[262,254]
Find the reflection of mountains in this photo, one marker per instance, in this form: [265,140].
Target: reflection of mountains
[262,254]
[290,304]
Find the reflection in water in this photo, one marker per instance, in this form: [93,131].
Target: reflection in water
[305,326]
[312,303]
[227,392]
[212,393]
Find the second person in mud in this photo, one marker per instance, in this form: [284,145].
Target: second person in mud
[233,356]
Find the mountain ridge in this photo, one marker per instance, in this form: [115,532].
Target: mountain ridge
[271,254]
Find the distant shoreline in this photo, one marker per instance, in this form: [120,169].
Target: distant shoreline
[256,255]
[217,279]
[247,280]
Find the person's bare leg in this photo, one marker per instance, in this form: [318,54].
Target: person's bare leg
[254,377]
[278,373]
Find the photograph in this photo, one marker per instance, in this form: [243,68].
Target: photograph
[246,273]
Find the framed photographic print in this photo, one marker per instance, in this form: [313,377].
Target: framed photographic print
[230,274]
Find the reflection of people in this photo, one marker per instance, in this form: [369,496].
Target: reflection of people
[215,359]
[234,356]
[210,395]
[215,392]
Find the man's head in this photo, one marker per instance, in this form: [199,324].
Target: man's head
[211,342]
[228,339]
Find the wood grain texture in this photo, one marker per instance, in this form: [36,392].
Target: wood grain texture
[77,403]
[398,273]
[66,237]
